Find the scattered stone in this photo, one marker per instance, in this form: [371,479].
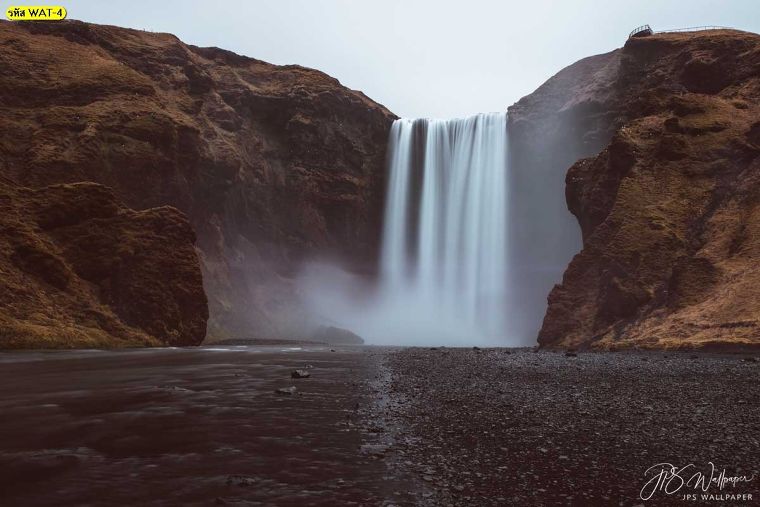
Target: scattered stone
[570,353]
[289,391]
[750,359]
[374,450]
[240,480]
[300,374]
[451,415]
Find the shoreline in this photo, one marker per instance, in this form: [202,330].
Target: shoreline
[371,425]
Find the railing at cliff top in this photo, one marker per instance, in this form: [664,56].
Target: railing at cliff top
[640,30]
[695,29]
[645,28]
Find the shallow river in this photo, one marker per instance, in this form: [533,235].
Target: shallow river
[184,426]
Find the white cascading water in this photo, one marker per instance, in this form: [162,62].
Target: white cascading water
[443,273]
[444,253]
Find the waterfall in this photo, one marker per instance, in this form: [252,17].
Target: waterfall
[444,250]
[444,258]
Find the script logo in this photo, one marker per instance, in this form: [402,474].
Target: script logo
[690,483]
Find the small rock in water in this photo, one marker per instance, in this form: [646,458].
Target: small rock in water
[476,348]
[240,480]
[300,374]
[374,450]
[286,390]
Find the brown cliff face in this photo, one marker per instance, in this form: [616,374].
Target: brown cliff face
[669,210]
[271,164]
[81,270]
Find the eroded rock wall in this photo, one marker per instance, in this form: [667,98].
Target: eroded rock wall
[669,208]
[79,269]
[271,164]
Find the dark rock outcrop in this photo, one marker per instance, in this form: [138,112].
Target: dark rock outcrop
[337,336]
[81,270]
[270,163]
[668,209]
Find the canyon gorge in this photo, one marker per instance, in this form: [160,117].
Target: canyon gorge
[158,193]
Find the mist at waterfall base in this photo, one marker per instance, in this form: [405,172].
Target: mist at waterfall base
[444,277]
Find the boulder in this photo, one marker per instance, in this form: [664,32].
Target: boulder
[80,269]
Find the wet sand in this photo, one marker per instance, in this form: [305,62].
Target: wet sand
[370,426]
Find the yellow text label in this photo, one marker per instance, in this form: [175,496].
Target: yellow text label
[35,13]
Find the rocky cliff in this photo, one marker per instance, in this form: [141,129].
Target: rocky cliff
[669,208]
[81,270]
[271,164]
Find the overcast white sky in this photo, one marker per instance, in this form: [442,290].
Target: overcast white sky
[434,58]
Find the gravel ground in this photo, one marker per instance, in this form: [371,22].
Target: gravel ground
[517,427]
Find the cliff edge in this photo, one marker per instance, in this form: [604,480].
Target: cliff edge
[668,209]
